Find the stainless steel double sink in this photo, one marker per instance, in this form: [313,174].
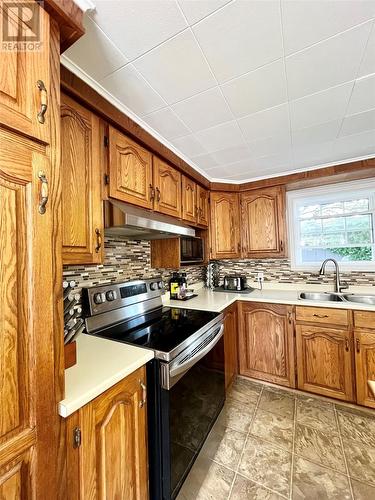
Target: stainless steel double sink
[338,297]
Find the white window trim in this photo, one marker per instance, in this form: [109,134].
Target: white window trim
[321,194]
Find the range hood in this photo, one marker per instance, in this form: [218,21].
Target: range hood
[127,221]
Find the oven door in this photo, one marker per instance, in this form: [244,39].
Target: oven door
[191,399]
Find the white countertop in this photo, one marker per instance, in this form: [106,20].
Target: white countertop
[100,364]
[208,300]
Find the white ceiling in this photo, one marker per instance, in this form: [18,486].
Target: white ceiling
[241,89]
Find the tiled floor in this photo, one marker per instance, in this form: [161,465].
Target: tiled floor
[271,443]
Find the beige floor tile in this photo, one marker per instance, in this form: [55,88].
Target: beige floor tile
[236,415]
[266,464]
[224,445]
[277,401]
[277,429]
[313,482]
[316,413]
[207,481]
[320,447]
[362,491]
[244,489]
[358,427]
[361,460]
[245,391]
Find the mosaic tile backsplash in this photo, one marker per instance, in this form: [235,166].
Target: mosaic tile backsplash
[279,270]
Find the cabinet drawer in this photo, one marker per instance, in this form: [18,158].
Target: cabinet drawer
[322,315]
[364,319]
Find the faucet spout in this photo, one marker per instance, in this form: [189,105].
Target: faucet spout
[338,285]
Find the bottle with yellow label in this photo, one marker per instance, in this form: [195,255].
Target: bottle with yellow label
[174,286]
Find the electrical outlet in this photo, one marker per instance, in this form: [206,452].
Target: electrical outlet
[260,277]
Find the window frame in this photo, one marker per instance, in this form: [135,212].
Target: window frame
[323,194]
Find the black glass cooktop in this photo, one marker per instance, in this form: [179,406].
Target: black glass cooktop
[162,329]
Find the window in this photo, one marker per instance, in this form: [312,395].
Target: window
[334,221]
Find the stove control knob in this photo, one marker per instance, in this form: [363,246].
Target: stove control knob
[99,298]
[161,285]
[154,286]
[111,295]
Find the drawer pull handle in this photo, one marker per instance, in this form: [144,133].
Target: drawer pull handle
[144,394]
[43,101]
[358,345]
[43,193]
[98,240]
[321,316]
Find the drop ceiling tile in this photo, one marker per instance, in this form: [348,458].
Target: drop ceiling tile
[195,11]
[176,69]
[204,161]
[355,146]
[132,90]
[306,22]
[223,136]
[280,161]
[136,27]
[279,144]
[310,155]
[265,123]
[100,62]
[231,169]
[324,132]
[363,96]
[203,110]
[231,155]
[322,107]
[355,124]
[258,90]
[368,62]
[188,145]
[241,37]
[166,123]
[328,63]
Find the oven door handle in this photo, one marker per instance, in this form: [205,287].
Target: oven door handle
[184,367]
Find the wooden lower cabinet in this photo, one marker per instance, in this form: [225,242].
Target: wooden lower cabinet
[111,461]
[325,361]
[364,341]
[266,347]
[230,344]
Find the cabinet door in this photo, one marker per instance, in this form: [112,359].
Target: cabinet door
[266,343]
[230,344]
[189,200]
[203,208]
[112,461]
[365,366]
[324,361]
[167,184]
[20,96]
[225,222]
[27,399]
[263,222]
[81,184]
[130,170]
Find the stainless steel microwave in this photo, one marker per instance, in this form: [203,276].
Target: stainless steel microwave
[192,250]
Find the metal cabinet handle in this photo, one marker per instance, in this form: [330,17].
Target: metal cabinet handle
[239,247]
[158,195]
[152,192]
[98,240]
[144,394]
[43,198]
[290,317]
[43,101]
[281,246]
[321,316]
[358,345]
[346,344]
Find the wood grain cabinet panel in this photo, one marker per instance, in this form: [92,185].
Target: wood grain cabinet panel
[20,71]
[167,185]
[324,361]
[325,315]
[266,347]
[203,206]
[230,344]
[189,200]
[225,230]
[81,184]
[365,365]
[264,223]
[130,171]
[111,462]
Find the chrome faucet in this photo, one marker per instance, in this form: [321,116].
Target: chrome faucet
[338,285]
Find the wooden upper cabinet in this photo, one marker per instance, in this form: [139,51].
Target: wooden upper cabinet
[364,344]
[203,206]
[266,342]
[167,185]
[225,227]
[230,344]
[189,200]
[112,460]
[264,223]
[324,361]
[130,170]
[81,184]
[25,75]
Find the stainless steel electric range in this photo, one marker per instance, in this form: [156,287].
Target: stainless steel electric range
[186,386]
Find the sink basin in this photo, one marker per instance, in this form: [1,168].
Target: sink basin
[323,297]
[361,299]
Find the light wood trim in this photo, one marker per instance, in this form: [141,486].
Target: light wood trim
[364,348]
[364,319]
[324,315]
